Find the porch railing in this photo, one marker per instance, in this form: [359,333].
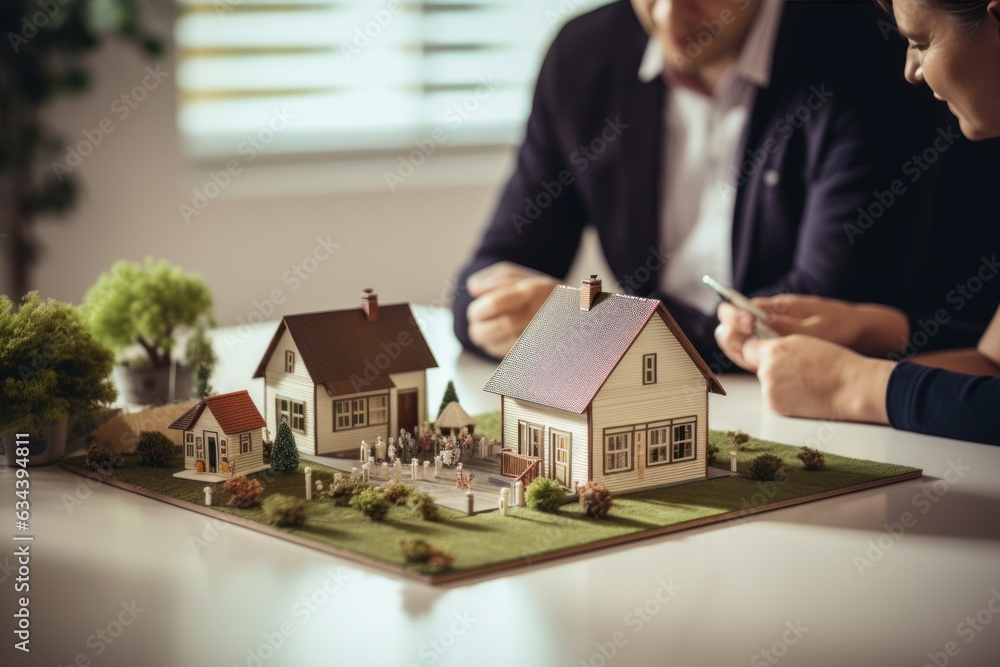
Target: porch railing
[524,468]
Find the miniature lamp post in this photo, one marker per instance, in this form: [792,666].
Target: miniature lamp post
[427,468]
[732,461]
[309,487]
[413,468]
[208,496]
[504,501]
[469,499]
[437,466]
[519,493]
[397,471]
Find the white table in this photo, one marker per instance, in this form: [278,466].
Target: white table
[210,594]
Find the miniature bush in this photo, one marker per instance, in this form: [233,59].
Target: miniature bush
[740,439]
[417,551]
[544,495]
[397,493]
[423,506]
[595,499]
[284,454]
[283,510]
[243,492]
[154,450]
[764,468]
[372,503]
[812,459]
[101,458]
[712,454]
[342,493]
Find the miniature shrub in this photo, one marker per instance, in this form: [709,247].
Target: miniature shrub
[372,503]
[763,468]
[423,506]
[397,493]
[284,454]
[342,493]
[282,510]
[243,492]
[712,454]
[154,449]
[101,458]
[740,439]
[595,499]
[544,495]
[812,459]
[417,551]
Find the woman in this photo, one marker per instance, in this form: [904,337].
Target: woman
[954,48]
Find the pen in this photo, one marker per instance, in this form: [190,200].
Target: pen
[740,301]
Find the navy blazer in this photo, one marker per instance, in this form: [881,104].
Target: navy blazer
[815,212]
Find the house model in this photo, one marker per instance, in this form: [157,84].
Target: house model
[222,437]
[340,377]
[604,387]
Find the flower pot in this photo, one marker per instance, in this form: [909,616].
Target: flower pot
[148,386]
[199,466]
[46,445]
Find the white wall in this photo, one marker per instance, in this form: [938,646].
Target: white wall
[407,244]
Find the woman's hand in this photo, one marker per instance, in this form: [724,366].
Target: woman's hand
[802,376]
[866,328]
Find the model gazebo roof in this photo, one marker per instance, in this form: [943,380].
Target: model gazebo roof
[234,411]
[454,416]
[566,353]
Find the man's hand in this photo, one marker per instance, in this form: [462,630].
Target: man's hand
[870,329]
[506,297]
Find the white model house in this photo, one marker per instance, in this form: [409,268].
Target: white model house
[222,437]
[604,387]
[340,377]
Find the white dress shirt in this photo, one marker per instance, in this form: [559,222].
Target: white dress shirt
[703,145]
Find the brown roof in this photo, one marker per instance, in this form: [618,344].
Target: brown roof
[342,346]
[234,411]
[565,354]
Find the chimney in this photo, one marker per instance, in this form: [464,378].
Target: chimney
[589,290]
[369,304]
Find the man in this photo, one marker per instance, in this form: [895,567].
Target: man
[724,137]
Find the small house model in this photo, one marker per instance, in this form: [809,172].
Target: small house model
[340,377]
[221,437]
[604,387]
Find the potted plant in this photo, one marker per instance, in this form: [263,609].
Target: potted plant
[146,307]
[51,368]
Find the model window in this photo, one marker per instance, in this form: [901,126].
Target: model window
[342,415]
[222,448]
[293,413]
[378,409]
[618,452]
[683,444]
[189,444]
[246,443]
[359,412]
[289,361]
[649,368]
[657,442]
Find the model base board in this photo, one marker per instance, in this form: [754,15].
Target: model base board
[488,543]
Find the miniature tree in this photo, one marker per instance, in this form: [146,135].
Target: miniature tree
[50,365]
[284,510]
[417,551]
[397,493]
[765,468]
[154,449]
[201,358]
[450,395]
[372,503]
[146,304]
[284,453]
[423,506]
[740,439]
[102,459]
[595,499]
[544,495]
[812,459]
[711,453]
[243,491]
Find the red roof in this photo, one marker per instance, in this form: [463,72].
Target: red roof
[234,411]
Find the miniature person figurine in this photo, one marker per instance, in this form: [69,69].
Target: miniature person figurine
[379,449]
[392,451]
[366,451]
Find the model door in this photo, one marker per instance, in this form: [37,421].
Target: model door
[560,457]
[406,410]
[212,450]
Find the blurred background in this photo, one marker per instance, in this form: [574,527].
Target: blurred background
[313,147]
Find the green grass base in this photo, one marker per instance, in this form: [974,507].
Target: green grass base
[489,541]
